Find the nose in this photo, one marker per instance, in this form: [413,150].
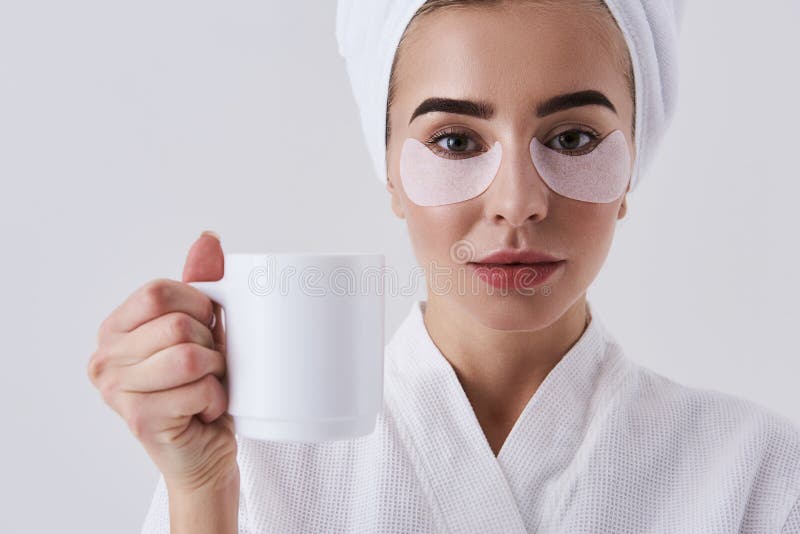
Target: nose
[517,194]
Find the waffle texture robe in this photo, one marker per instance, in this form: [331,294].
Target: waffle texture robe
[603,446]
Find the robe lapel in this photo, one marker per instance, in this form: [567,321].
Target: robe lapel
[467,488]
[546,446]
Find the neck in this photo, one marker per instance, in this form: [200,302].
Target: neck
[500,370]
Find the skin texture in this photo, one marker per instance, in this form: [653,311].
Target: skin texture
[503,346]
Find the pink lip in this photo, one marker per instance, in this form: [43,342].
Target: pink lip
[517,256]
[516,276]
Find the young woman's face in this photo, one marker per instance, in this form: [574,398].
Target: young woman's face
[514,59]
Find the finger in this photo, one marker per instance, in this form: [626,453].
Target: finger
[156,335]
[154,299]
[205,260]
[172,367]
[151,414]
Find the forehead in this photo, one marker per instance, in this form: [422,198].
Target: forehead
[514,53]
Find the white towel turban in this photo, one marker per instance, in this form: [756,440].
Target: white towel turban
[368,32]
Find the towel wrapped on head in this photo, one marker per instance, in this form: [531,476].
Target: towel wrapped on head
[368,33]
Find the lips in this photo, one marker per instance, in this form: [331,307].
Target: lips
[517,256]
[517,268]
[516,276]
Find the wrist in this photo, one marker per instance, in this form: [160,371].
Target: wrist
[209,508]
[210,484]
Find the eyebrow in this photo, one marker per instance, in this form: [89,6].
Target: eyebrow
[485,110]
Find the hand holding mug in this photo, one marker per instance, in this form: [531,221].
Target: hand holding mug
[161,366]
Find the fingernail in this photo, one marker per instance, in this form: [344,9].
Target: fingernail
[213,321]
[213,234]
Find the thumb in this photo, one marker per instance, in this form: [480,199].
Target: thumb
[205,260]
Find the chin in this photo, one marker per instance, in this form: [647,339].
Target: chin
[514,311]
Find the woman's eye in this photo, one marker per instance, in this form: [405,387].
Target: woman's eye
[456,143]
[571,140]
[453,145]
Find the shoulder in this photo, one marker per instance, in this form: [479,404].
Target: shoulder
[729,429]
[701,408]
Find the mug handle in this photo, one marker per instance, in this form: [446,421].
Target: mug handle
[214,290]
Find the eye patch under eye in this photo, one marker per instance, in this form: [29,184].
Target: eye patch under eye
[432,180]
[599,176]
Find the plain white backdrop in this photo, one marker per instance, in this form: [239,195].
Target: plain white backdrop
[127,128]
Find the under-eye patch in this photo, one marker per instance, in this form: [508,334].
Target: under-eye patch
[600,175]
[431,180]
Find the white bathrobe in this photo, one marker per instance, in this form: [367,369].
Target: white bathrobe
[603,446]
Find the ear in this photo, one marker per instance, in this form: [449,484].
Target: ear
[397,205]
[623,208]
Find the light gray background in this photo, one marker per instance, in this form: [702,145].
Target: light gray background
[126,128]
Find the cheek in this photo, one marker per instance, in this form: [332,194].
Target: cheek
[433,231]
[601,176]
[432,180]
[591,230]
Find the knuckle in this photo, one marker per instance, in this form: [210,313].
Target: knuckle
[179,327]
[156,294]
[188,359]
[95,367]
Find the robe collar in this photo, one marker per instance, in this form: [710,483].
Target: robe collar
[470,489]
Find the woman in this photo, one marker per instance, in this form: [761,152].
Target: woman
[509,407]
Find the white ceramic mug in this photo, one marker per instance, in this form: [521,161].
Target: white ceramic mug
[305,342]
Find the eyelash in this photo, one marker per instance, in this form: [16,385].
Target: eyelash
[455,132]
